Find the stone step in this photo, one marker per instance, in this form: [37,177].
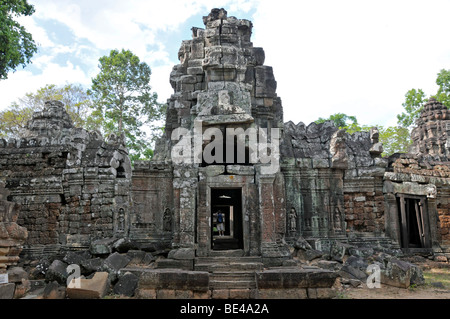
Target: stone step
[225,284]
[233,280]
[227,253]
[219,267]
[233,276]
[223,260]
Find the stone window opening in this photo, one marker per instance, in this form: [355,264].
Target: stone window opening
[120,172]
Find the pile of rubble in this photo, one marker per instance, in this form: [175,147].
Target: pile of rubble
[361,266]
[100,270]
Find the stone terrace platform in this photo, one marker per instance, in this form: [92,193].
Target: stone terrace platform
[234,278]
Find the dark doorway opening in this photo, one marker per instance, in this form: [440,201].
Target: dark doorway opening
[411,211]
[229,202]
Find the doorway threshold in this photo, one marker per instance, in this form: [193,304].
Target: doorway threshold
[227,253]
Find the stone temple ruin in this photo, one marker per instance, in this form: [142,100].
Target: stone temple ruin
[77,199]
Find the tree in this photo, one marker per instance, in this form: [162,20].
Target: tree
[78,104]
[413,105]
[416,99]
[16,44]
[124,101]
[395,139]
[443,93]
[13,121]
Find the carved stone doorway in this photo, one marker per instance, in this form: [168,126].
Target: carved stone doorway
[229,202]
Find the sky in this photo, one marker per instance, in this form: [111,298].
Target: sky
[353,57]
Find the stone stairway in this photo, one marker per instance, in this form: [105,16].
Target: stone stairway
[230,272]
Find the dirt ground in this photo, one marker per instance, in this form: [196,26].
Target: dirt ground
[437,286]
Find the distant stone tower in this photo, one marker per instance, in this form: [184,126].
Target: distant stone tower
[430,136]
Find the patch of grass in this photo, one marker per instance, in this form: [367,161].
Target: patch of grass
[342,295]
[437,275]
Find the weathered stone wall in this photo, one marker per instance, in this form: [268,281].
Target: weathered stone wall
[152,196]
[364,212]
[12,236]
[363,184]
[443,209]
[70,183]
[339,179]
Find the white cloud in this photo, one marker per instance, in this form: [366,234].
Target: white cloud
[23,81]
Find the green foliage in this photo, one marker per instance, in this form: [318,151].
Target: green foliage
[443,93]
[16,44]
[395,139]
[416,99]
[413,105]
[13,121]
[340,120]
[124,102]
[78,104]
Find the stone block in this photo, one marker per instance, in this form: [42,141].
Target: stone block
[174,279]
[401,274]
[182,254]
[320,163]
[321,293]
[329,265]
[220,294]
[90,266]
[94,288]
[240,170]
[76,257]
[57,272]
[165,294]
[7,291]
[146,293]
[17,274]
[123,245]
[54,291]
[239,294]
[269,280]
[214,170]
[184,294]
[173,263]
[126,285]
[102,246]
[22,288]
[136,256]
[294,293]
[351,272]
[114,263]
[309,255]
[201,294]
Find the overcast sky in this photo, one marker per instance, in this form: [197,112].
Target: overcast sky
[354,57]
